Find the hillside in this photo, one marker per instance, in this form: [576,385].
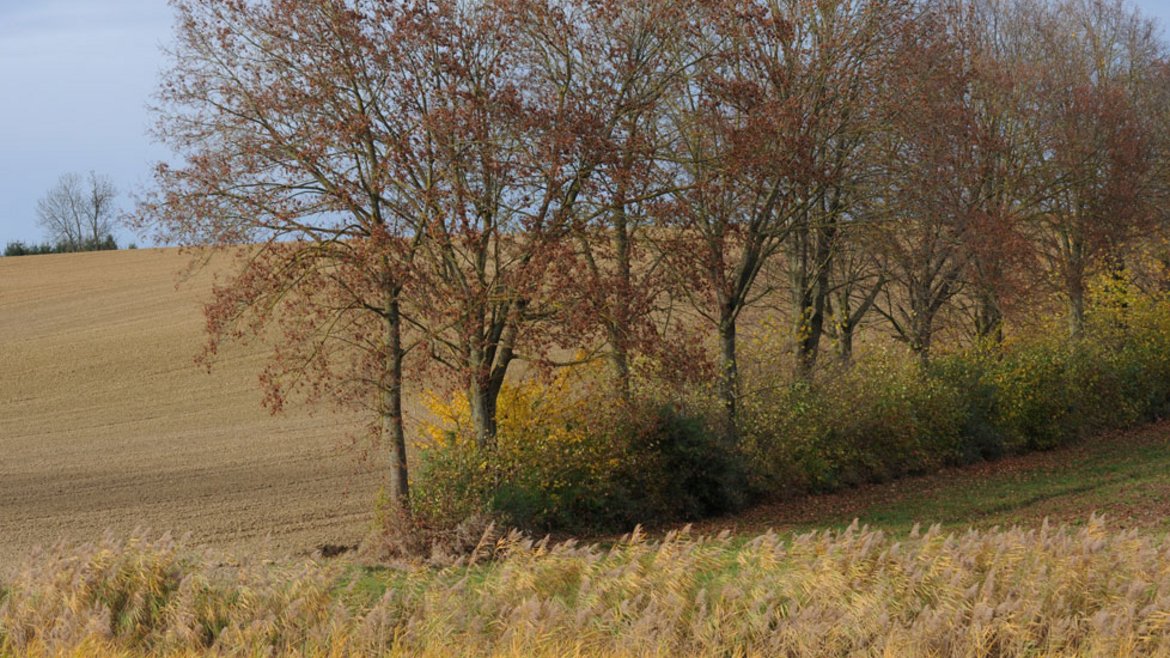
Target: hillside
[107,423]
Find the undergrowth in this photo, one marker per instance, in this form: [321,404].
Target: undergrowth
[572,458]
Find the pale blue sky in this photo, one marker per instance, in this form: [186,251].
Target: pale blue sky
[75,79]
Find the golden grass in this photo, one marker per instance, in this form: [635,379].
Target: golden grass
[1020,592]
[106,422]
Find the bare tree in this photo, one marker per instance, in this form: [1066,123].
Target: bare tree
[1097,129]
[78,213]
[837,56]
[930,157]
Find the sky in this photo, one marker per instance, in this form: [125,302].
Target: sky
[76,79]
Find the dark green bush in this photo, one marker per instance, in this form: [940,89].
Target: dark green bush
[677,468]
[981,437]
[19,248]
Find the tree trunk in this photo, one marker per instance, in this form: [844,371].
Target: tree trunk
[921,349]
[620,330]
[808,339]
[729,378]
[799,273]
[619,361]
[1074,284]
[812,325]
[483,397]
[1075,290]
[1076,309]
[988,318]
[845,343]
[392,428]
[816,245]
[921,329]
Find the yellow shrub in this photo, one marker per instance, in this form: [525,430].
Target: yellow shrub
[550,417]
[554,444]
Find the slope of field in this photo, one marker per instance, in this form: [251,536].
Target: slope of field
[107,423]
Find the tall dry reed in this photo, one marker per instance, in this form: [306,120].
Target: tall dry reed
[1020,592]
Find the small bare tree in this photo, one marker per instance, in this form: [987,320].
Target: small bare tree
[78,213]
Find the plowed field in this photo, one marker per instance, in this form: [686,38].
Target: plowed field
[107,423]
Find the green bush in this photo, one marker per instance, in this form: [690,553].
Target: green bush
[980,435]
[676,468]
[1035,408]
[886,417]
[879,420]
[18,248]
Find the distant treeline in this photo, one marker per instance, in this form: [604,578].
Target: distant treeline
[19,248]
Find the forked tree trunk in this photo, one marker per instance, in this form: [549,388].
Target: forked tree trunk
[483,398]
[810,329]
[489,368]
[845,344]
[921,329]
[988,318]
[850,318]
[813,298]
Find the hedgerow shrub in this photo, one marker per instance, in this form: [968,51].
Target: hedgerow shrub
[571,456]
[980,435]
[885,416]
[1132,330]
[19,248]
[1051,390]
[1034,404]
[675,467]
[878,420]
[549,465]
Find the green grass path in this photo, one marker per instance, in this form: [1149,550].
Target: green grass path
[1123,475]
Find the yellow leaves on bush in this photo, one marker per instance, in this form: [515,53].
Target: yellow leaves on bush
[1118,305]
[450,421]
[543,424]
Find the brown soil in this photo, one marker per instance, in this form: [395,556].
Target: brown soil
[107,423]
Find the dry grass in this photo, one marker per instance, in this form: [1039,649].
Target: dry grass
[1037,592]
[105,421]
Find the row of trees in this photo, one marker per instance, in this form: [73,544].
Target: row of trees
[452,186]
[18,248]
